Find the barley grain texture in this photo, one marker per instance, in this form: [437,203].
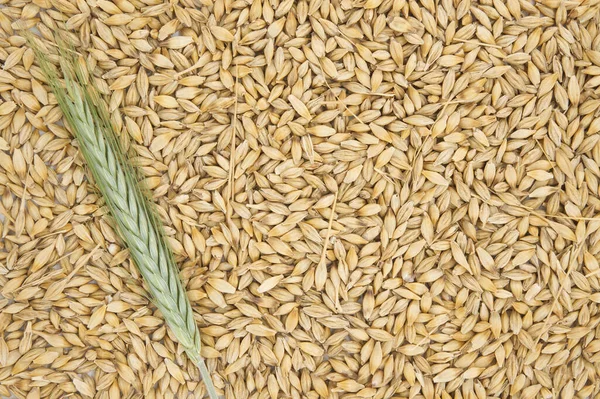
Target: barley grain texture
[366,199]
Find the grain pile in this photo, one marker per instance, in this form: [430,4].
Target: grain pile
[367,199]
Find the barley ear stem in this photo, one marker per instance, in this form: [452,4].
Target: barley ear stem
[212,393]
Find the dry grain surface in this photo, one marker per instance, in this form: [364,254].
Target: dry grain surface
[366,198]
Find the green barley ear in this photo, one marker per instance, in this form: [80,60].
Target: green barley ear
[135,215]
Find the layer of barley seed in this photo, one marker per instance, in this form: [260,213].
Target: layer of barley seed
[367,199]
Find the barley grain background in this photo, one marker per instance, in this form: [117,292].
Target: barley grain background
[367,199]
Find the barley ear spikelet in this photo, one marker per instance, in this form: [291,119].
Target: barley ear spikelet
[135,216]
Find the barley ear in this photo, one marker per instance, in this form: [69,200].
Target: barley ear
[134,214]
